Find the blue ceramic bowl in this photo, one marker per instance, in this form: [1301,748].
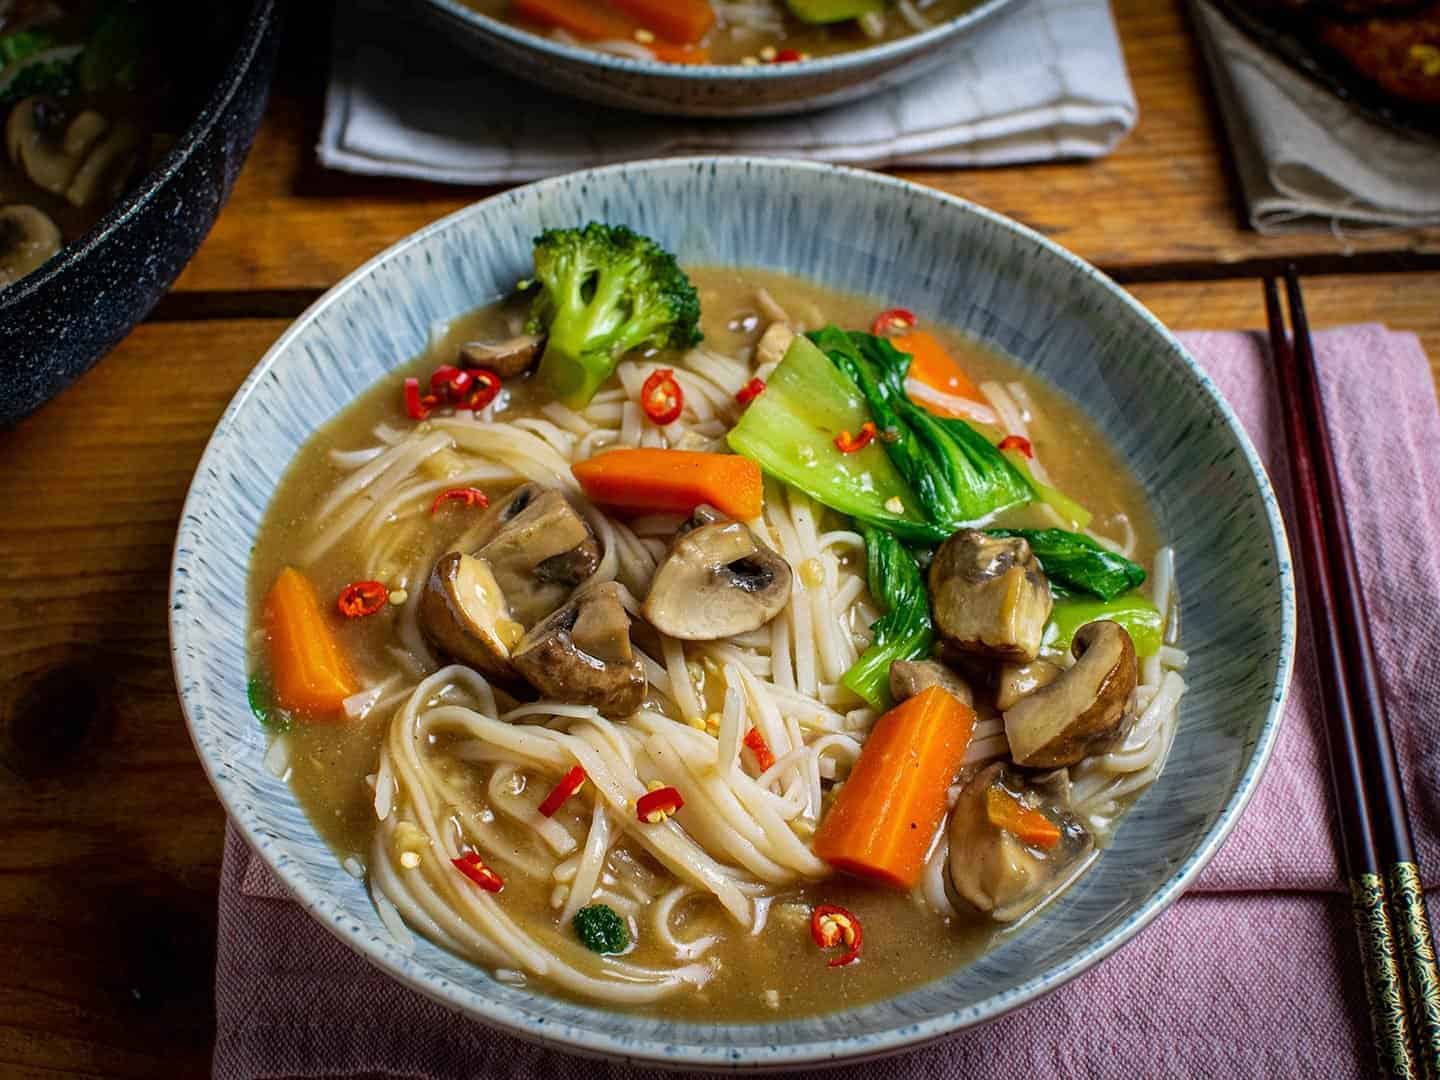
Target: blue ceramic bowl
[705,89]
[854,231]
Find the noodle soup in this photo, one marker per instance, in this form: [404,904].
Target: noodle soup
[726,31]
[679,821]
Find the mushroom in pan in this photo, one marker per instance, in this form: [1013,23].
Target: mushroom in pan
[508,358]
[1011,847]
[582,654]
[1085,710]
[989,595]
[1018,680]
[909,677]
[464,614]
[27,239]
[539,549]
[717,580]
[70,156]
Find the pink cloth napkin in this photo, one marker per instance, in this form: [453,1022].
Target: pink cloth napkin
[1252,973]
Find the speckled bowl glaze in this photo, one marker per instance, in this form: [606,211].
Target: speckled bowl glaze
[855,231]
[705,89]
[57,322]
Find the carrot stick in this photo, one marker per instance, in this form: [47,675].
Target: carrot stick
[1010,814]
[580,17]
[673,481]
[886,814]
[685,22]
[310,672]
[593,23]
[935,367]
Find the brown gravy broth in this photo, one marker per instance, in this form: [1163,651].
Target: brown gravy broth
[906,944]
[729,43]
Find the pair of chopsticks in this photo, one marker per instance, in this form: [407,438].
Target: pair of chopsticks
[1396,946]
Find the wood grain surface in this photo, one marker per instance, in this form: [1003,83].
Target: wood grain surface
[109,872]
[1162,206]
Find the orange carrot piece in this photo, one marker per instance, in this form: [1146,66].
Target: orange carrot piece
[593,23]
[886,814]
[685,22]
[673,482]
[1010,814]
[582,18]
[932,365]
[311,674]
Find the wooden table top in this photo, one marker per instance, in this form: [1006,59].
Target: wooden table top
[113,844]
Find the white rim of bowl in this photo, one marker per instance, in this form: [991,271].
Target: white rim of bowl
[577,1039]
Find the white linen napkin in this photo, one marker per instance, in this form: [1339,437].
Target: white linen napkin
[1307,159]
[1043,81]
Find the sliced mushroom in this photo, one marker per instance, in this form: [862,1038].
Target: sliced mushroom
[105,169]
[718,580]
[505,358]
[43,140]
[1085,710]
[909,677]
[1019,680]
[540,549]
[994,870]
[989,595]
[582,654]
[27,239]
[774,343]
[464,614]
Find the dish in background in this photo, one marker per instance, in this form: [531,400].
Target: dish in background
[748,32]
[1381,57]
[689,88]
[1000,283]
[65,314]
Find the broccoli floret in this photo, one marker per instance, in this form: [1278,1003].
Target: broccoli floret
[52,78]
[23,44]
[601,930]
[605,290]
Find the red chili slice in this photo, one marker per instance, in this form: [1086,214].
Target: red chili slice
[415,406]
[849,444]
[569,784]
[484,390]
[750,391]
[757,745]
[468,496]
[894,319]
[459,385]
[655,806]
[362,598]
[661,397]
[474,868]
[788,56]
[1017,442]
[830,925]
[441,376]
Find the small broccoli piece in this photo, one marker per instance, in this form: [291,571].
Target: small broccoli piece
[605,290]
[116,49]
[23,44]
[601,930]
[52,78]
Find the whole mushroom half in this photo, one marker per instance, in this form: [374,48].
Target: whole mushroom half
[464,614]
[582,654]
[1012,847]
[75,156]
[27,239]
[989,596]
[717,580]
[1086,708]
[539,548]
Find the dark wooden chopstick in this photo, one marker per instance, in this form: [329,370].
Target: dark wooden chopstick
[1394,934]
